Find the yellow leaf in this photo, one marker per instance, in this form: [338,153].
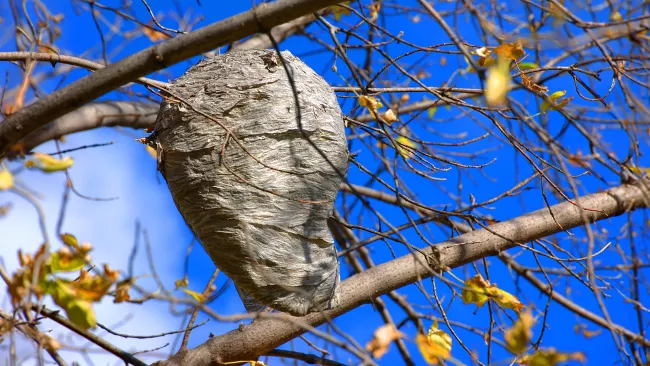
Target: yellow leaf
[518,336]
[498,83]
[432,111]
[122,291]
[581,328]
[183,282]
[374,10]
[48,163]
[616,16]
[389,116]
[152,152]
[404,147]
[94,287]
[433,353]
[382,339]
[70,240]
[63,261]
[153,34]
[6,180]
[552,98]
[371,103]
[528,83]
[111,274]
[475,291]
[48,342]
[505,299]
[638,170]
[439,337]
[79,311]
[339,11]
[513,51]
[550,357]
[195,295]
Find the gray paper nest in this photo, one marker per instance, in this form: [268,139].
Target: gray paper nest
[261,211]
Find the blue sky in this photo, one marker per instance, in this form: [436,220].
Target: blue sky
[125,170]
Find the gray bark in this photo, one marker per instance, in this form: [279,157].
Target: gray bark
[266,334]
[259,19]
[260,209]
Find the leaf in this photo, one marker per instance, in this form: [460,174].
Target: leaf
[111,274]
[505,299]
[4,209]
[433,353]
[371,103]
[389,116]
[498,83]
[550,357]
[70,240]
[374,10]
[48,342]
[6,180]
[153,34]
[183,282]
[474,291]
[615,16]
[66,262]
[431,112]
[551,99]
[93,287]
[582,329]
[339,11]
[48,163]
[528,66]
[79,311]
[477,291]
[512,51]
[519,335]
[152,152]
[439,337]
[195,295]
[122,291]
[404,147]
[530,85]
[638,170]
[382,339]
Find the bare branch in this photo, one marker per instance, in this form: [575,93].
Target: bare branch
[94,115]
[172,51]
[265,334]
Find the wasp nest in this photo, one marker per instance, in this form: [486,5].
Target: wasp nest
[254,157]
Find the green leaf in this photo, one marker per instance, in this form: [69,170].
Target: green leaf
[552,98]
[432,111]
[528,66]
[195,295]
[79,311]
[60,263]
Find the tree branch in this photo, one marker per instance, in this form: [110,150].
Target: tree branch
[573,307]
[94,115]
[259,19]
[126,114]
[270,332]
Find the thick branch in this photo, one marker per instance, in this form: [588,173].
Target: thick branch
[265,334]
[172,51]
[91,116]
[279,33]
[137,115]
